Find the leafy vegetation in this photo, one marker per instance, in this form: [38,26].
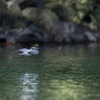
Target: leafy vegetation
[86,12]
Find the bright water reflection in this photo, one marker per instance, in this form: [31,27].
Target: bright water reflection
[29,86]
[57,73]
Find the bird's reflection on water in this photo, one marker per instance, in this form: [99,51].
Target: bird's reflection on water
[29,86]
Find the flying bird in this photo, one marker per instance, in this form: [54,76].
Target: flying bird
[29,52]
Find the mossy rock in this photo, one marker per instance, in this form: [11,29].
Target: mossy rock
[48,18]
[31,13]
[15,9]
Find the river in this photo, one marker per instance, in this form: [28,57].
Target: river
[58,72]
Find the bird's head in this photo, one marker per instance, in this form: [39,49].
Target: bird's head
[34,48]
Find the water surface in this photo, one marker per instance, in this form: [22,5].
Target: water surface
[56,73]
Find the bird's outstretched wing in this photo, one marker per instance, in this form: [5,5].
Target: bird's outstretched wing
[28,52]
[25,54]
[23,50]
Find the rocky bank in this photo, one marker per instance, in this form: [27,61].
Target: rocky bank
[23,23]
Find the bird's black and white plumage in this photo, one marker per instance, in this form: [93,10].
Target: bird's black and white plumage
[28,52]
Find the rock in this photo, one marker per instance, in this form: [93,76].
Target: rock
[37,32]
[2,37]
[78,38]
[15,9]
[32,35]
[25,36]
[33,28]
[31,13]
[62,31]
[63,27]
[90,36]
[13,35]
[69,32]
[12,2]
[48,18]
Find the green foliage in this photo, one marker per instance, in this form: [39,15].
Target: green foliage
[86,12]
[81,14]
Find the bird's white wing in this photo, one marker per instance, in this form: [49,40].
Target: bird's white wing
[23,50]
[25,54]
[28,52]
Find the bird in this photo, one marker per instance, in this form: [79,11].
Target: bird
[29,52]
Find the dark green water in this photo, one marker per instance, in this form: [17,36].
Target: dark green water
[56,73]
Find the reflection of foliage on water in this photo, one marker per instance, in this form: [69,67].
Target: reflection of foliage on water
[72,64]
[70,74]
[61,90]
[10,89]
[67,89]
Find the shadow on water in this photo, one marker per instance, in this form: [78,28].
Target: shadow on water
[57,72]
